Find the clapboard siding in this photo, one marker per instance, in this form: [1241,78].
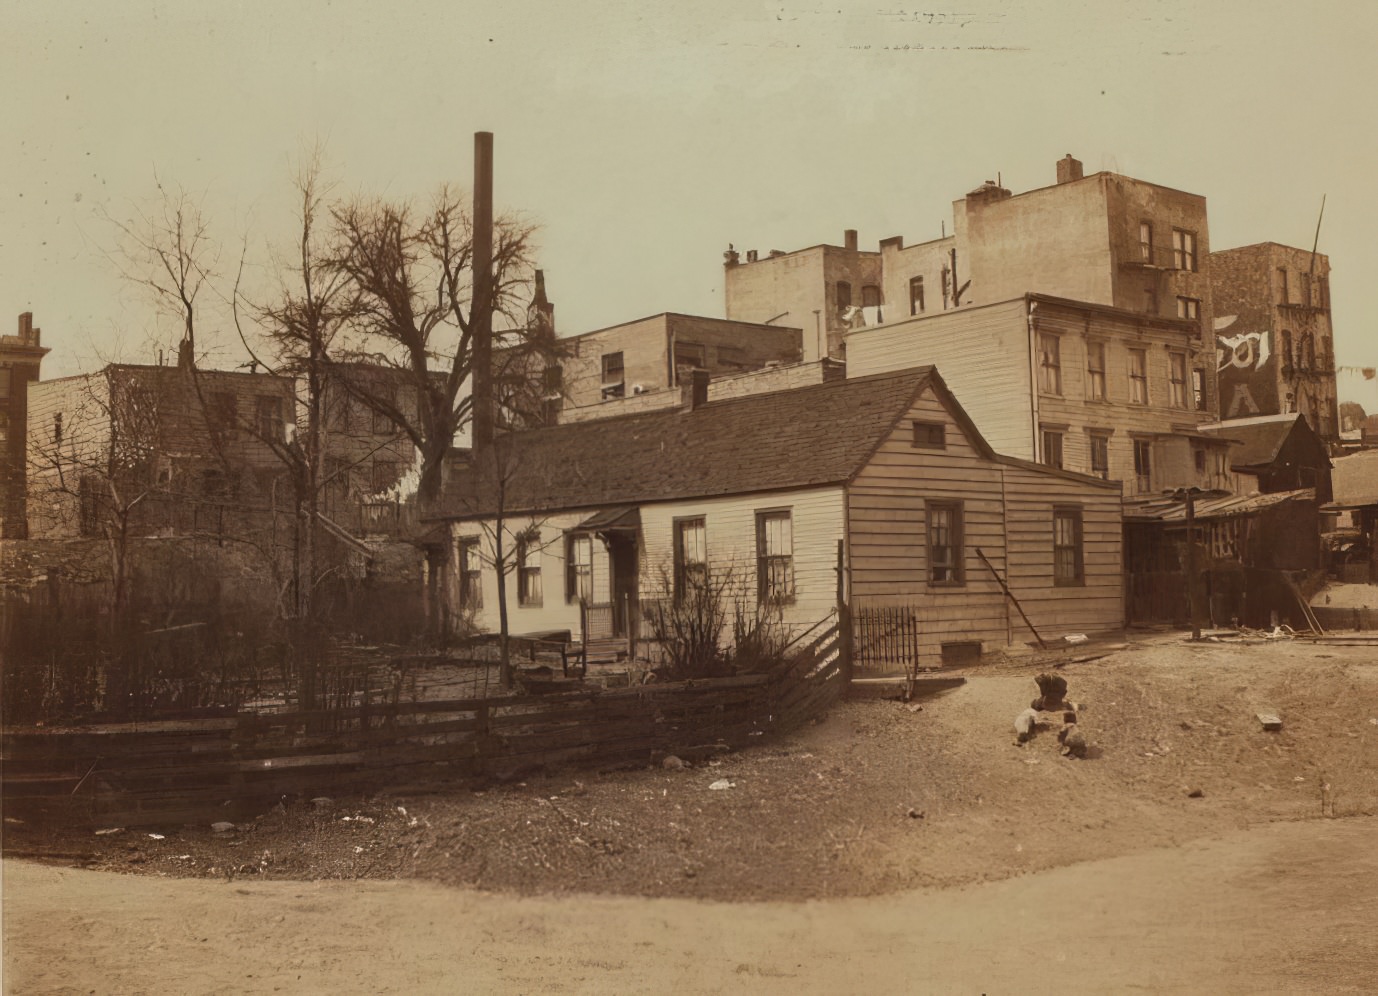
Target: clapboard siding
[730,525]
[1007,514]
[983,356]
[887,531]
[1031,496]
[730,528]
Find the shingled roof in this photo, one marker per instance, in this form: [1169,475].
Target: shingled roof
[809,436]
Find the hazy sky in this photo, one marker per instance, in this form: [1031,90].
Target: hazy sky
[645,139]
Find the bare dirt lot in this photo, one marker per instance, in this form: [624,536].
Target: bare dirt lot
[874,799]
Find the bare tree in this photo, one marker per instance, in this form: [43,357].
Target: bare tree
[297,331]
[166,250]
[510,536]
[413,275]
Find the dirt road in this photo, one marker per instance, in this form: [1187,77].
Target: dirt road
[1290,907]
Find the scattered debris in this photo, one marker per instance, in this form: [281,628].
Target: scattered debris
[1270,721]
[157,836]
[222,826]
[102,833]
[722,783]
[916,814]
[1195,793]
[672,763]
[1076,638]
[1024,725]
[914,707]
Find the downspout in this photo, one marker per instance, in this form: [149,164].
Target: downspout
[1032,323]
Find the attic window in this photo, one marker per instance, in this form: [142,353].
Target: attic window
[930,435]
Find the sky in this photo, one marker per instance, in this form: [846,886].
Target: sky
[643,139]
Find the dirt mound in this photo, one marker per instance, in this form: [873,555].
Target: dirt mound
[875,798]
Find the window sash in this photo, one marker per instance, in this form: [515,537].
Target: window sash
[1049,363]
[579,575]
[1138,377]
[945,547]
[1095,370]
[1100,456]
[529,570]
[691,555]
[470,574]
[1052,448]
[1068,553]
[1177,379]
[774,556]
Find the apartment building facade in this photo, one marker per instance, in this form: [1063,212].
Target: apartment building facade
[1099,390]
[1276,347]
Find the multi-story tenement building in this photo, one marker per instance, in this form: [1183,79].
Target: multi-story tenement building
[154,450]
[20,358]
[823,290]
[1086,387]
[639,365]
[1104,239]
[1275,341]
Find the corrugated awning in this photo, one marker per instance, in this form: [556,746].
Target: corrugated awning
[1168,509]
[620,518]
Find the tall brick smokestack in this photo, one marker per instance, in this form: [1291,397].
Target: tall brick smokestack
[481,309]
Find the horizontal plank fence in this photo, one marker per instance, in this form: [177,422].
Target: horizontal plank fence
[228,767]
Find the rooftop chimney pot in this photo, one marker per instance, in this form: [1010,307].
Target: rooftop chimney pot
[1068,169]
[849,239]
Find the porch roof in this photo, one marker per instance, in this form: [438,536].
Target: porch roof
[1168,509]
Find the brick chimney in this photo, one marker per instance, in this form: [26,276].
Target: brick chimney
[1068,169]
[28,335]
[849,239]
[695,389]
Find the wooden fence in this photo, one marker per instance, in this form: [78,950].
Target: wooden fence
[226,768]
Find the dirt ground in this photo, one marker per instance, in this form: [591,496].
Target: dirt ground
[874,799]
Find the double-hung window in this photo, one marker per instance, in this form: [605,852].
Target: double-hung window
[1049,363]
[529,568]
[691,556]
[945,551]
[1183,250]
[1138,376]
[1068,558]
[1095,371]
[774,557]
[1177,379]
[579,569]
[470,573]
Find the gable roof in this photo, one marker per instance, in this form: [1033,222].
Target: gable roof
[805,437]
[1261,438]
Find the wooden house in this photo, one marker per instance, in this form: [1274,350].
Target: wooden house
[1275,453]
[595,518]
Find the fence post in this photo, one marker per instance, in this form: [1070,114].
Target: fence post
[844,615]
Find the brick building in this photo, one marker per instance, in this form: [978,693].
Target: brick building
[183,450]
[1275,340]
[1103,239]
[20,358]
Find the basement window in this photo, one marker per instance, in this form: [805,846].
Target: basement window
[961,652]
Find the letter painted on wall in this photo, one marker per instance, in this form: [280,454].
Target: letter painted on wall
[1246,369]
